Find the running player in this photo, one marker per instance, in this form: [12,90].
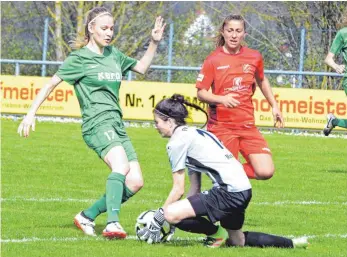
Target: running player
[95,70]
[339,46]
[201,152]
[232,72]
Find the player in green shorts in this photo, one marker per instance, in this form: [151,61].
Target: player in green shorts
[338,46]
[95,70]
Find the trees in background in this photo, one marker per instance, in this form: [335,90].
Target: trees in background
[273,28]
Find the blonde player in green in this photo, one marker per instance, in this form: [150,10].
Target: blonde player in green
[95,70]
[338,46]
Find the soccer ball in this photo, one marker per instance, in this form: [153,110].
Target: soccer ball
[145,217]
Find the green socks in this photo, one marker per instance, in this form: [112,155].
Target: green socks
[100,205]
[221,233]
[339,123]
[114,195]
[97,208]
[127,193]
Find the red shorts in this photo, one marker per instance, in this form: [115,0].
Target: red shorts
[246,140]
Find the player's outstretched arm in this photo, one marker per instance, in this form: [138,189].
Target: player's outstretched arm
[157,34]
[29,120]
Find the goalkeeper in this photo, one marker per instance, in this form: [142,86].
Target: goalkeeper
[201,152]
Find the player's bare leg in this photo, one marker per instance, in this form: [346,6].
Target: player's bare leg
[134,180]
[133,183]
[261,165]
[178,211]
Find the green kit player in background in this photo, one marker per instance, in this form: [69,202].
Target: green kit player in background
[95,70]
[338,46]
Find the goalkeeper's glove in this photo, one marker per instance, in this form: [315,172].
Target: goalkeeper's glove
[151,233]
[169,235]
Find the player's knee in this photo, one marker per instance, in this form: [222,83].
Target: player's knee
[135,184]
[236,238]
[134,179]
[171,215]
[235,244]
[138,184]
[264,174]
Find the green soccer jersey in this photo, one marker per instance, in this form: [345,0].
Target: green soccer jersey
[96,79]
[339,44]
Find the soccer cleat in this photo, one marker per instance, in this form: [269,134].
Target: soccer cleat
[84,224]
[217,240]
[329,126]
[300,242]
[114,230]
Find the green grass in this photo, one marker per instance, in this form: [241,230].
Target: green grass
[41,175]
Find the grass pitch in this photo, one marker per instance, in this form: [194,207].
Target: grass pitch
[50,176]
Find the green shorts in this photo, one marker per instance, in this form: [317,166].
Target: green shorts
[106,135]
[344,85]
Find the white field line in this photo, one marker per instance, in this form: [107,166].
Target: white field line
[86,238]
[147,124]
[300,203]
[160,201]
[99,238]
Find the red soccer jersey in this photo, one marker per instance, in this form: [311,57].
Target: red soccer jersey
[232,73]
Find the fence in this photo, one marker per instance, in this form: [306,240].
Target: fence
[289,62]
[167,68]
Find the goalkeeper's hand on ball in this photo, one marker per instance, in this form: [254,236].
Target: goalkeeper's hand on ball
[169,235]
[151,233]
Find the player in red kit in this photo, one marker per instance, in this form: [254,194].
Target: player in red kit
[232,72]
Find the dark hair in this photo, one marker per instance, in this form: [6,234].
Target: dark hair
[81,41]
[175,108]
[232,17]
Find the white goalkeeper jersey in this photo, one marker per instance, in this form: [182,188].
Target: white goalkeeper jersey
[201,151]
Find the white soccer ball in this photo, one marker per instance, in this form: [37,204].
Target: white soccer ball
[147,216]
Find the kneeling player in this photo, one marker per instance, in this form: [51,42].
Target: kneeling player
[226,202]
